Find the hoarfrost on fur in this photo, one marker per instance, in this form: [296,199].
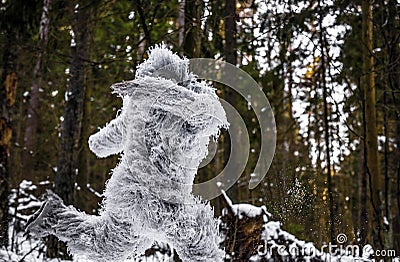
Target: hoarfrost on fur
[163,133]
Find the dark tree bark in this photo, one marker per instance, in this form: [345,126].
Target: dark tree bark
[363,192]
[387,187]
[83,196]
[192,38]
[371,134]
[230,57]
[71,127]
[7,98]
[143,23]
[327,132]
[30,137]
[242,236]
[17,19]
[230,32]
[391,75]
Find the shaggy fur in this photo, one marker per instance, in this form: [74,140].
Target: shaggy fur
[162,132]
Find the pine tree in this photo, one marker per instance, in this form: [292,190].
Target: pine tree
[371,135]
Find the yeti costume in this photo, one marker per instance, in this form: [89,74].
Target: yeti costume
[162,133]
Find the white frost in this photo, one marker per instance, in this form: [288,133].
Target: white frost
[163,133]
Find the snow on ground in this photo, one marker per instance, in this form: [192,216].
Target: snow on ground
[23,248]
[277,241]
[33,250]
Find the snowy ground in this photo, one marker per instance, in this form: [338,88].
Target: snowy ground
[33,250]
[23,248]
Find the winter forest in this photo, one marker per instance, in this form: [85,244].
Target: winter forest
[329,68]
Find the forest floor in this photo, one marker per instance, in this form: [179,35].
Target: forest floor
[278,242]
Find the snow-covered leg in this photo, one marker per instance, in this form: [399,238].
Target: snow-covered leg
[105,238]
[101,238]
[41,223]
[194,235]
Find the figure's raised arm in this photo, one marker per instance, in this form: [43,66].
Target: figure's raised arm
[109,140]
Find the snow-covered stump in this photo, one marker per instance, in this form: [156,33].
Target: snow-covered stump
[241,227]
[162,133]
[249,234]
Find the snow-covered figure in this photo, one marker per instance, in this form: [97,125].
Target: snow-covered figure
[162,133]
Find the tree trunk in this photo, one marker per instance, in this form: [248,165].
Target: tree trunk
[74,107]
[228,94]
[32,119]
[230,32]
[71,127]
[82,195]
[329,170]
[146,40]
[192,40]
[373,165]
[387,188]
[392,71]
[363,193]
[7,98]
[181,22]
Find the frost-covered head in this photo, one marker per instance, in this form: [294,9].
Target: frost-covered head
[163,62]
